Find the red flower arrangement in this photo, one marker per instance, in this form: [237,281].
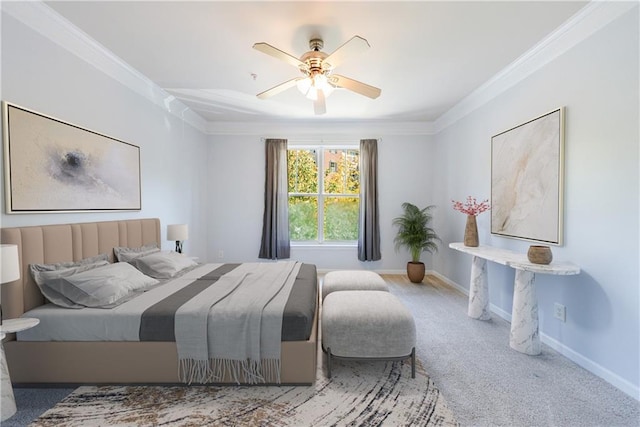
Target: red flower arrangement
[471,206]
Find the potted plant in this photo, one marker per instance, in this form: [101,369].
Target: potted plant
[415,234]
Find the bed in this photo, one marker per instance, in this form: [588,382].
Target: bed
[33,360]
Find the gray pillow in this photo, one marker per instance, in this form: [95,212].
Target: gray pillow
[55,296]
[163,265]
[37,268]
[101,287]
[124,254]
[42,272]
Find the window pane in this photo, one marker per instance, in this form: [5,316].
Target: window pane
[303,218]
[341,218]
[303,171]
[341,172]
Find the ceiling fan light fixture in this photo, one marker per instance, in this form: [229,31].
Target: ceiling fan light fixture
[304,85]
[313,93]
[309,86]
[321,82]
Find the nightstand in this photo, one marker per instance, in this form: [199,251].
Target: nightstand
[8,407]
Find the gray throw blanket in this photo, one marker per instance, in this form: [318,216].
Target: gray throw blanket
[233,328]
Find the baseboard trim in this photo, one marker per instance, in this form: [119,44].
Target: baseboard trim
[326,270]
[449,281]
[579,359]
[593,367]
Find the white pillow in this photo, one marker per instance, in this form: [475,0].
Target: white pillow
[102,287]
[163,265]
[124,254]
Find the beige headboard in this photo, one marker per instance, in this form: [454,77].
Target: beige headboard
[66,242]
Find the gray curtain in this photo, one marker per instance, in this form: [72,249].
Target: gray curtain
[369,226]
[275,222]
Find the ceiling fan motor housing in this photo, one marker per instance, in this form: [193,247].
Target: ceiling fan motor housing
[316,44]
[314,59]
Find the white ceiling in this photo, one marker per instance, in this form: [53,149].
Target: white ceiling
[425,56]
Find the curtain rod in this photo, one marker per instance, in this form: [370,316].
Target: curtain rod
[320,140]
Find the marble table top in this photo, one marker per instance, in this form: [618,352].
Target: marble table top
[17,325]
[516,260]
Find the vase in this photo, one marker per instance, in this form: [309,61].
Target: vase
[415,271]
[539,254]
[471,232]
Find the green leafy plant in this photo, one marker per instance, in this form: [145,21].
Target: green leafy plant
[414,232]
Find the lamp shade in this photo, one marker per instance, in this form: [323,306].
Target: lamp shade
[310,86]
[10,263]
[177,232]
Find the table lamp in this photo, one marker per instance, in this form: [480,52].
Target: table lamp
[10,266]
[179,233]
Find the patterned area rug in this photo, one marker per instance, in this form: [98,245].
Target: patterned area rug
[358,394]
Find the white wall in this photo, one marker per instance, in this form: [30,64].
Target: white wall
[597,82]
[216,183]
[236,175]
[40,75]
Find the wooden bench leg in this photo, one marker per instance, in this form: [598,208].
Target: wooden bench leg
[329,362]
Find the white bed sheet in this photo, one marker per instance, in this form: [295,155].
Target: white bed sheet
[121,323]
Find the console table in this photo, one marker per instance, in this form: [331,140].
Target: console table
[524,335]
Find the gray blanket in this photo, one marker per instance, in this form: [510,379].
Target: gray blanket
[157,322]
[246,307]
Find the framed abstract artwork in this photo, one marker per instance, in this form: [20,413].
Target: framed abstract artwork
[54,166]
[527,168]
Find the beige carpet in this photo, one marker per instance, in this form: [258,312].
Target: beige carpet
[358,394]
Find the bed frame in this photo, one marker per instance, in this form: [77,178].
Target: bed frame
[103,362]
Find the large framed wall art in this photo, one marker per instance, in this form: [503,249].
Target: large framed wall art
[527,168]
[54,166]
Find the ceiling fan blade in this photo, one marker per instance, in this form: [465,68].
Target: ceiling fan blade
[320,105]
[355,86]
[351,47]
[278,54]
[279,88]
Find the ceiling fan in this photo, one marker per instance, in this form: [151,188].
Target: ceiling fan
[317,67]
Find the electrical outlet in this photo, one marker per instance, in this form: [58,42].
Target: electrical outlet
[220,254]
[560,312]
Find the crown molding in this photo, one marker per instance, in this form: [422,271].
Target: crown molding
[44,20]
[320,128]
[587,21]
[50,24]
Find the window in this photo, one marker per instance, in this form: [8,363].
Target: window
[323,200]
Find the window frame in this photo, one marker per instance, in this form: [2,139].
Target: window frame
[321,195]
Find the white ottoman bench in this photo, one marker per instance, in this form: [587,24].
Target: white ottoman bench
[352,280]
[367,325]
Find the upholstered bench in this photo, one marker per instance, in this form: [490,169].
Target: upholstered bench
[352,280]
[368,325]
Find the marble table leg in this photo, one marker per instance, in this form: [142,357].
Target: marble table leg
[479,290]
[8,403]
[524,335]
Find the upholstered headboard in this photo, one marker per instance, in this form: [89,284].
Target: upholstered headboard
[66,242]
